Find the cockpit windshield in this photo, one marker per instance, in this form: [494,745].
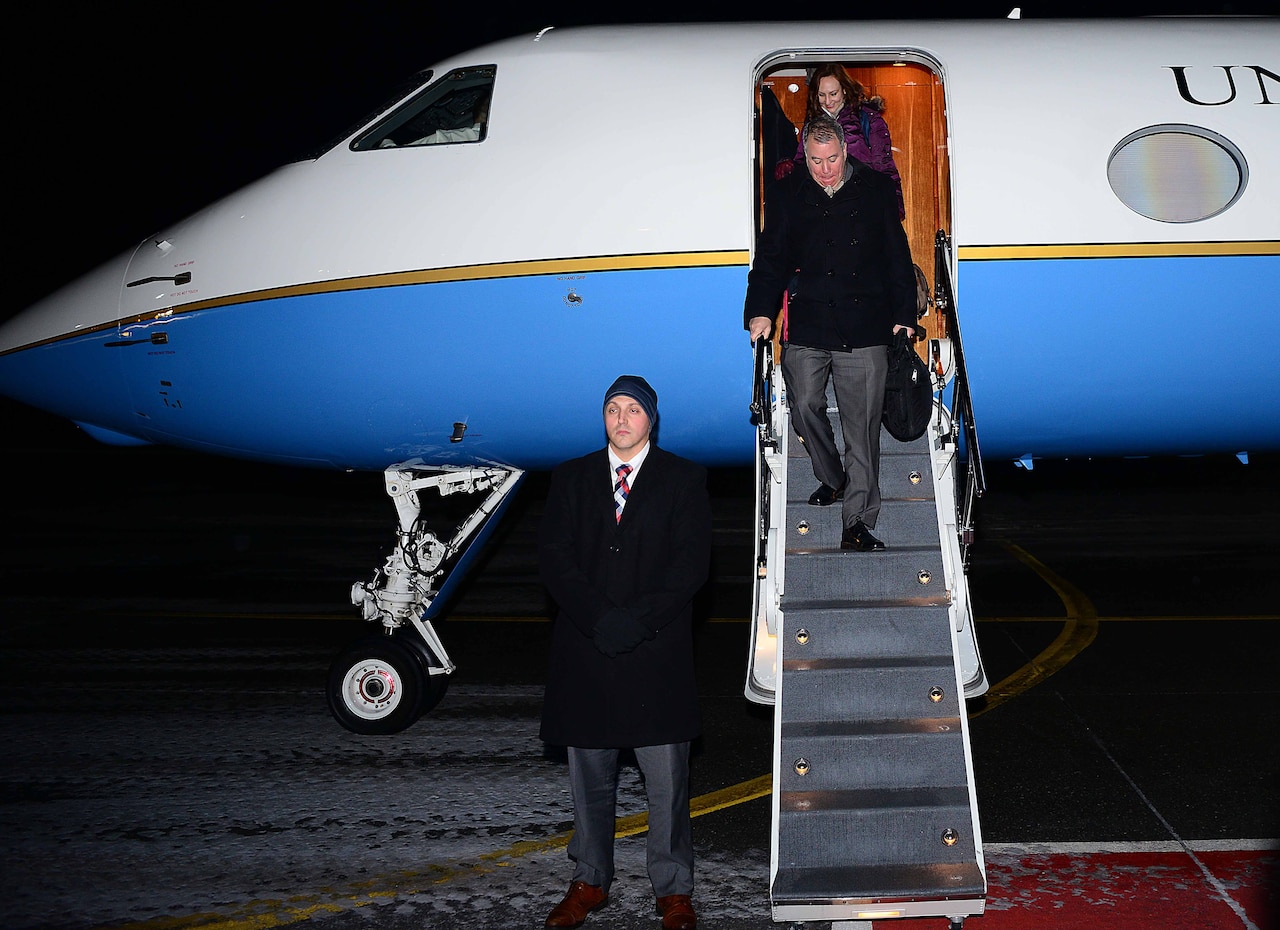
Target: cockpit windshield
[454,109]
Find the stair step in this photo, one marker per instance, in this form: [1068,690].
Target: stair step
[902,476]
[955,879]
[871,759]
[911,828]
[901,523]
[903,572]
[879,693]
[826,631]
[852,663]
[888,444]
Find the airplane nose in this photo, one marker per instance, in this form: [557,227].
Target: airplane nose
[52,354]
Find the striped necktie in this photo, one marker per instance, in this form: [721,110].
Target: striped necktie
[621,490]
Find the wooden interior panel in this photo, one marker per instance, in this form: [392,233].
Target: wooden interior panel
[914,112]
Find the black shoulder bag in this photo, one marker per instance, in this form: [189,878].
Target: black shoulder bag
[908,391]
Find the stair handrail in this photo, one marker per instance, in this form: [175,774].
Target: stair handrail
[975,481]
[762,391]
[767,441]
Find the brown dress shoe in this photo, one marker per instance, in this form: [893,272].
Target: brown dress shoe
[580,901]
[677,912]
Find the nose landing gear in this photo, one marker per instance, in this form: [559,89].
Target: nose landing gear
[383,683]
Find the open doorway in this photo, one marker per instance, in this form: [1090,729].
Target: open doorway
[913,108]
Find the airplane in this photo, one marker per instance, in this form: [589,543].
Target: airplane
[442,295]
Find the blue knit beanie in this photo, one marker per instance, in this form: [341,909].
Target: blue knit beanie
[638,389]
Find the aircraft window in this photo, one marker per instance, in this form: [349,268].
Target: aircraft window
[1177,173]
[454,109]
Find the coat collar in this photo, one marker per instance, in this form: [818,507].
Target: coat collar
[811,191]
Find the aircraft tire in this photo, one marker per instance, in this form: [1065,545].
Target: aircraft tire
[433,686]
[376,685]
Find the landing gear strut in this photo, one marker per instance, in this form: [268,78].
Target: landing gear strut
[382,684]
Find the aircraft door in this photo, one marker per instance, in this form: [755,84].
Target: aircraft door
[913,108]
[160,275]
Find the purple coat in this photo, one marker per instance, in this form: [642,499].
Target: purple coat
[876,150]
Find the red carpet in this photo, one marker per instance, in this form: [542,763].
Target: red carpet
[1143,887]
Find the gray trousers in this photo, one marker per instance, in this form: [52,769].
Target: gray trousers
[858,376]
[593,781]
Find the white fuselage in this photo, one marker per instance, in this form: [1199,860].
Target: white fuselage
[349,311]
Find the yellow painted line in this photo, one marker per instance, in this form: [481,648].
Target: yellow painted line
[1118,250]
[1078,631]
[740,793]
[265,914]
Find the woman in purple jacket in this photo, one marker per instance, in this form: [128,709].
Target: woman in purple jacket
[866,134]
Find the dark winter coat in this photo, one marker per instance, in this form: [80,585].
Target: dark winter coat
[846,259]
[654,561]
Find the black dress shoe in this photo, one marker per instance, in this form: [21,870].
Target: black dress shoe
[859,539]
[826,495]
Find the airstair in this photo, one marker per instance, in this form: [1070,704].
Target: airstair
[867,659]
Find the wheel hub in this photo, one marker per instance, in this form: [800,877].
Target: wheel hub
[372,690]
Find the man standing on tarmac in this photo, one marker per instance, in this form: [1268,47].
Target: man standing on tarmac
[832,236]
[624,546]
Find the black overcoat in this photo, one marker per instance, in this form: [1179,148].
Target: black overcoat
[655,560]
[845,258]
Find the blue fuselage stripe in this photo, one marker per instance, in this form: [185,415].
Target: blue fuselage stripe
[1120,356]
[366,378]
[1077,356]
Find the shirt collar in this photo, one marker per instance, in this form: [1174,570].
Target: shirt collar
[848,173]
[636,460]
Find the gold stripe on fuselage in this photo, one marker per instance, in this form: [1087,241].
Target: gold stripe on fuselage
[702,260]
[978,253]
[550,266]
[660,260]
[474,273]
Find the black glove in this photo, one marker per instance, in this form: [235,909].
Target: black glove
[619,631]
